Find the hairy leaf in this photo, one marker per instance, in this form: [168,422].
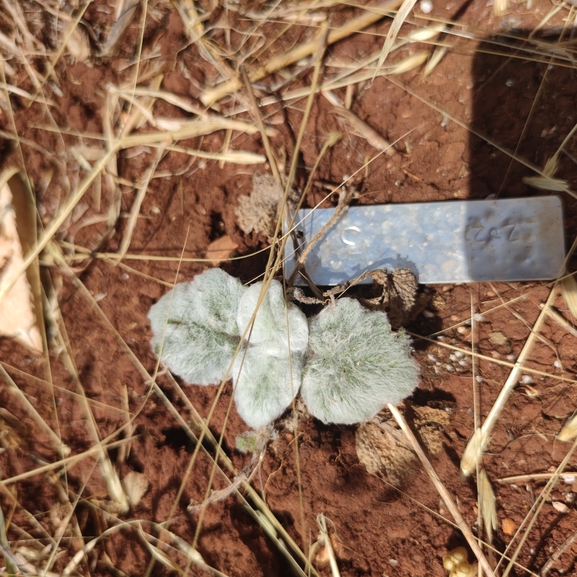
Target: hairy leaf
[195,325]
[265,385]
[271,330]
[356,364]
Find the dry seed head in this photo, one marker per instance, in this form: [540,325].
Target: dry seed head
[474,452]
[547,183]
[409,63]
[569,430]
[487,503]
[436,57]
[424,34]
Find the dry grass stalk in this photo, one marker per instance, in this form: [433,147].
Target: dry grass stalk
[398,21]
[123,20]
[559,319]
[324,540]
[557,554]
[525,529]
[567,476]
[478,443]
[61,447]
[569,292]
[471,539]
[255,110]
[370,17]
[360,127]
[67,462]
[141,191]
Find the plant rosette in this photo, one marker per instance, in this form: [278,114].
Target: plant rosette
[346,361]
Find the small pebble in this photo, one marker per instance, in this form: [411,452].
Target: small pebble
[426,6]
[479,379]
[560,507]
[508,526]
[526,379]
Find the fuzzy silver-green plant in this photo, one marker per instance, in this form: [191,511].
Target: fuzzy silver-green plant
[195,324]
[347,358]
[355,364]
[200,325]
[267,373]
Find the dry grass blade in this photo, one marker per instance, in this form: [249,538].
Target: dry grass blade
[360,127]
[409,63]
[477,444]
[21,314]
[80,555]
[569,292]
[533,514]
[67,461]
[560,320]
[61,447]
[325,541]
[230,156]
[141,191]
[398,21]
[471,539]
[487,504]
[123,21]
[555,557]
[373,14]
[10,569]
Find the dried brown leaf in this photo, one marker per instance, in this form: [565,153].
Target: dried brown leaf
[21,309]
[220,249]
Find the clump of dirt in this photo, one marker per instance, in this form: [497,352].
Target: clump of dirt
[384,451]
[430,424]
[258,211]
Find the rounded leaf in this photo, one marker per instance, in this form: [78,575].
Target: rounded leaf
[195,325]
[195,353]
[270,329]
[265,385]
[356,364]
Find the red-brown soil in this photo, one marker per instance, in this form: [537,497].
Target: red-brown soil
[377,529]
